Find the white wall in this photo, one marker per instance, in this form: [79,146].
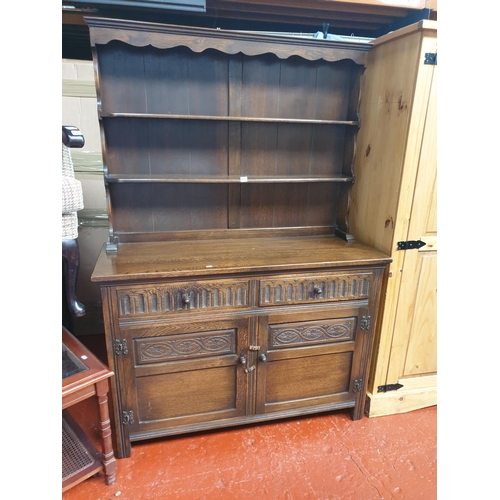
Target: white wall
[79,108]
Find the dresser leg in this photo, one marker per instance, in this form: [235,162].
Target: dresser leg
[358,411]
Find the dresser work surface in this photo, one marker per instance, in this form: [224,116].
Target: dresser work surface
[225,256]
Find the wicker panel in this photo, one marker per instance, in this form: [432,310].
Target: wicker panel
[72,195]
[67,162]
[69,226]
[75,458]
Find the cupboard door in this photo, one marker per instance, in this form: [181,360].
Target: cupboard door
[183,375]
[310,361]
[414,345]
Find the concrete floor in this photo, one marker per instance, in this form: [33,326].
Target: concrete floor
[320,457]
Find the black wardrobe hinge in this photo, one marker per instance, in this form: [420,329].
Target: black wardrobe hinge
[431,58]
[389,387]
[408,245]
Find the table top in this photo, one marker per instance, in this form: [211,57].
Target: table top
[80,367]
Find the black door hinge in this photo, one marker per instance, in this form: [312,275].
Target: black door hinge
[121,347]
[357,385]
[431,58]
[408,245]
[366,322]
[127,417]
[389,387]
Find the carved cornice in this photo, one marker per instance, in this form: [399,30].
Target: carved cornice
[142,34]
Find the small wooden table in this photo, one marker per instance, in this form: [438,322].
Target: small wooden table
[83,376]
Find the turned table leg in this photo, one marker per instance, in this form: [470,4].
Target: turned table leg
[108,457]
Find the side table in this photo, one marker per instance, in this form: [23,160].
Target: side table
[84,376]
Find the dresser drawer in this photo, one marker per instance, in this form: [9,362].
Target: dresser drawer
[330,287]
[171,298]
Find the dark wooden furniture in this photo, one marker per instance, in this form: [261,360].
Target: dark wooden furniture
[232,289]
[84,376]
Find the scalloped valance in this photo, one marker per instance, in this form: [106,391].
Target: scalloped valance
[141,34]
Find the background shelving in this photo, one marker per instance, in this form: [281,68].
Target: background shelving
[218,134]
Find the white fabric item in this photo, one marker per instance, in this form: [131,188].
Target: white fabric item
[72,197]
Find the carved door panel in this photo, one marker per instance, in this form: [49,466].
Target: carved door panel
[310,360]
[183,375]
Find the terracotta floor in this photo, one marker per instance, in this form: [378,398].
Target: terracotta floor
[321,457]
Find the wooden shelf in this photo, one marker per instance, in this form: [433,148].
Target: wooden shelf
[231,179]
[189,115]
[230,118]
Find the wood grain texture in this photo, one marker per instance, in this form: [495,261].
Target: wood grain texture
[140,34]
[193,388]
[315,288]
[307,377]
[177,116]
[421,348]
[172,259]
[390,404]
[228,170]
[385,108]
[394,199]
[414,344]
[163,299]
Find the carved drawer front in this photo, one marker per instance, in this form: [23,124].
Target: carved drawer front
[311,333]
[307,289]
[181,297]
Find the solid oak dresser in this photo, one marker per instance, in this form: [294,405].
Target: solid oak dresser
[232,290]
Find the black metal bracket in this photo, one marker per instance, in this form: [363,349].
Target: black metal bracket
[127,417]
[121,347]
[357,385]
[409,245]
[325,30]
[431,58]
[366,322]
[389,387]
